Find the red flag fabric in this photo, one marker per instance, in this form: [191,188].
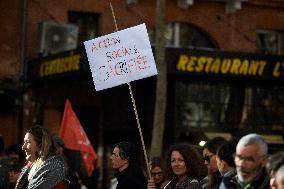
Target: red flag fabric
[75,138]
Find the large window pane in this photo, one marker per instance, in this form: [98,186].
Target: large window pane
[227,107]
[87,23]
[268,42]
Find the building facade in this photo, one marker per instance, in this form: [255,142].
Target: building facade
[225,69]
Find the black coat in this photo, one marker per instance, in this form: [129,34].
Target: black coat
[131,179]
[261,182]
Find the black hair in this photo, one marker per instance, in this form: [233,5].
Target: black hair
[156,162]
[225,152]
[274,162]
[213,144]
[129,151]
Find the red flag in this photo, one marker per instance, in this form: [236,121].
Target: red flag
[75,138]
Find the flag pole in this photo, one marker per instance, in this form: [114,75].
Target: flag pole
[139,128]
[134,106]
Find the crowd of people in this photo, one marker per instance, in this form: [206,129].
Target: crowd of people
[233,164]
[40,163]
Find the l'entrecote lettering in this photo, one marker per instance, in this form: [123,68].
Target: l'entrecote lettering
[60,65]
[217,65]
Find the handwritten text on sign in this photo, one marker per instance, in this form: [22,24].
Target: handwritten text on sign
[120,57]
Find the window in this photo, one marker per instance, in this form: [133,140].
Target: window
[227,107]
[268,42]
[87,23]
[179,34]
[200,104]
[268,103]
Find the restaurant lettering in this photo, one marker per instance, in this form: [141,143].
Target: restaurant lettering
[60,65]
[278,70]
[230,66]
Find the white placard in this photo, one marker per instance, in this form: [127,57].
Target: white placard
[120,57]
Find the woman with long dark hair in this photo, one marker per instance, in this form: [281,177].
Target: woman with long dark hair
[45,167]
[212,181]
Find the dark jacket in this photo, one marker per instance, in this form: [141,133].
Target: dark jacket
[226,180]
[130,179]
[4,172]
[262,182]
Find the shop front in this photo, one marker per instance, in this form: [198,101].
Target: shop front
[210,93]
[224,93]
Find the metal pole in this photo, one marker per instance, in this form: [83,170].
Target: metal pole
[22,78]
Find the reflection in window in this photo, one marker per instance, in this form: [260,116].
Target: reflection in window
[87,23]
[200,104]
[212,105]
[269,107]
[268,42]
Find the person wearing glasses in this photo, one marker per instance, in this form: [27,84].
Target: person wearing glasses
[182,167]
[157,173]
[250,159]
[126,162]
[214,177]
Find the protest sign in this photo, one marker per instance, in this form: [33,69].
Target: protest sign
[120,57]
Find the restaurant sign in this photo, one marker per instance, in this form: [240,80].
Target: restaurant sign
[179,61]
[216,63]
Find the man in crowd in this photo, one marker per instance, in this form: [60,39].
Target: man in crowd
[250,159]
[126,161]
